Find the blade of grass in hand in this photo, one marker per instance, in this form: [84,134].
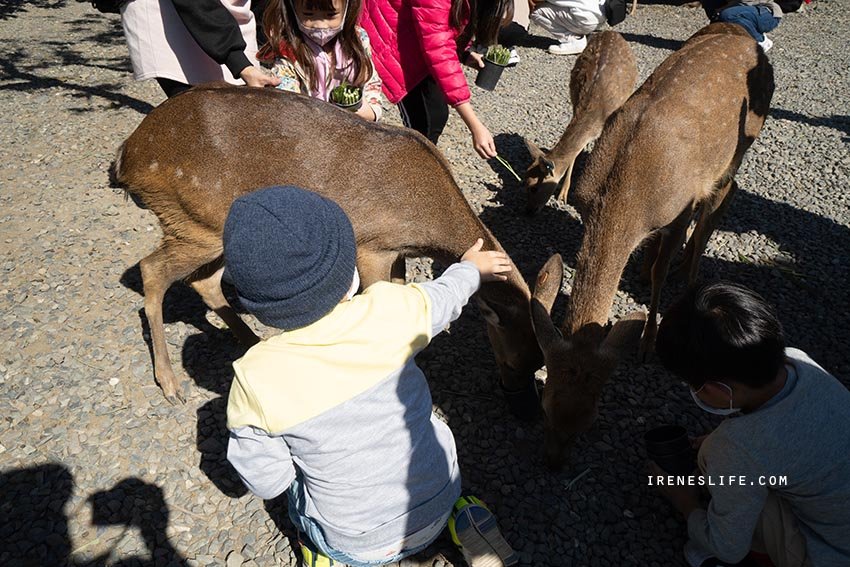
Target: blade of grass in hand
[508,166]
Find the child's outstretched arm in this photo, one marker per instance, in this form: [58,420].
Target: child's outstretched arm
[451,291]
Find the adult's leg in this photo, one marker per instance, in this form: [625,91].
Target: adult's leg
[565,22]
[172,88]
[746,17]
[778,534]
[550,19]
[765,20]
[425,110]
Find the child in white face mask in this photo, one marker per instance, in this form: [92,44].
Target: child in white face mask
[786,449]
[315,46]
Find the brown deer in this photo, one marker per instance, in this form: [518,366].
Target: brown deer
[193,155]
[602,78]
[676,144]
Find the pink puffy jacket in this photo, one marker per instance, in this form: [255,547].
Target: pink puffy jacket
[412,39]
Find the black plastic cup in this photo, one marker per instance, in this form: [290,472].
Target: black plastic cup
[670,448]
[354,107]
[489,75]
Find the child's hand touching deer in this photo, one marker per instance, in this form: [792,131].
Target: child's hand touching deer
[492,265]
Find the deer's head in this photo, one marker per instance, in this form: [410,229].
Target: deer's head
[514,345]
[541,179]
[578,366]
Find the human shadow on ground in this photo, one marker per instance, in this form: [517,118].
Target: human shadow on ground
[34,530]
[135,503]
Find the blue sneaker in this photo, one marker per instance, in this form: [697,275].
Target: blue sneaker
[474,530]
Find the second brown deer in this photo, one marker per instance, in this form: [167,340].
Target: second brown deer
[674,146]
[602,78]
[193,155]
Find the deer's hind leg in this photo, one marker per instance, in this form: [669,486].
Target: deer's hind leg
[711,211]
[174,259]
[376,266]
[670,239]
[207,282]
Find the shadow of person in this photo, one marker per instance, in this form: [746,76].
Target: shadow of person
[212,438]
[34,526]
[137,504]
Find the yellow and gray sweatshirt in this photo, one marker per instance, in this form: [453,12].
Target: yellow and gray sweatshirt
[342,406]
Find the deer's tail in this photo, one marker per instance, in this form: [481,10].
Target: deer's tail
[116,177]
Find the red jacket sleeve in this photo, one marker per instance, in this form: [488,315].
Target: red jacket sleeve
[437,39]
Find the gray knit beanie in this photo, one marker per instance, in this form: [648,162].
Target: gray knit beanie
[290,253]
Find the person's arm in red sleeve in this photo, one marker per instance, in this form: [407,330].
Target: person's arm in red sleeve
[437,40]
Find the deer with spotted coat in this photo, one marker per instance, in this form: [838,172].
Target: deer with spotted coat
[194,154]
[673,147]
[602,78]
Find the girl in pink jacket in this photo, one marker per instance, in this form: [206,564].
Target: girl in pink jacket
[416,48]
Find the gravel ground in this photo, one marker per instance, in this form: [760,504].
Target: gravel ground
[95,466]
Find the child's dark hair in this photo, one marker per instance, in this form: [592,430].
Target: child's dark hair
[721,331]
[284,38]
[485,18]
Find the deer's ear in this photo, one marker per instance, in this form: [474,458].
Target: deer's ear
[624,335]
[548,282]
[544,329]
[536,153]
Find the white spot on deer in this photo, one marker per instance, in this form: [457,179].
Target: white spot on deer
[195,181]
[153,166]
[178,173]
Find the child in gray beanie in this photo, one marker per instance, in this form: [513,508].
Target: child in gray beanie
[334,409]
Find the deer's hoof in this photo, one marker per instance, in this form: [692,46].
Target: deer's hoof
[175,399]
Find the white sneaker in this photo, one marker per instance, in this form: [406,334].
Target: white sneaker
[574,45]
[514,57]
[766,44]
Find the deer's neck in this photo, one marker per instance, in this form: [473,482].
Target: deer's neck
[605,249]
[567,149]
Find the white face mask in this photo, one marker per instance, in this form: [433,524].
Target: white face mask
[322,36]
[355,285]
[711,409]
